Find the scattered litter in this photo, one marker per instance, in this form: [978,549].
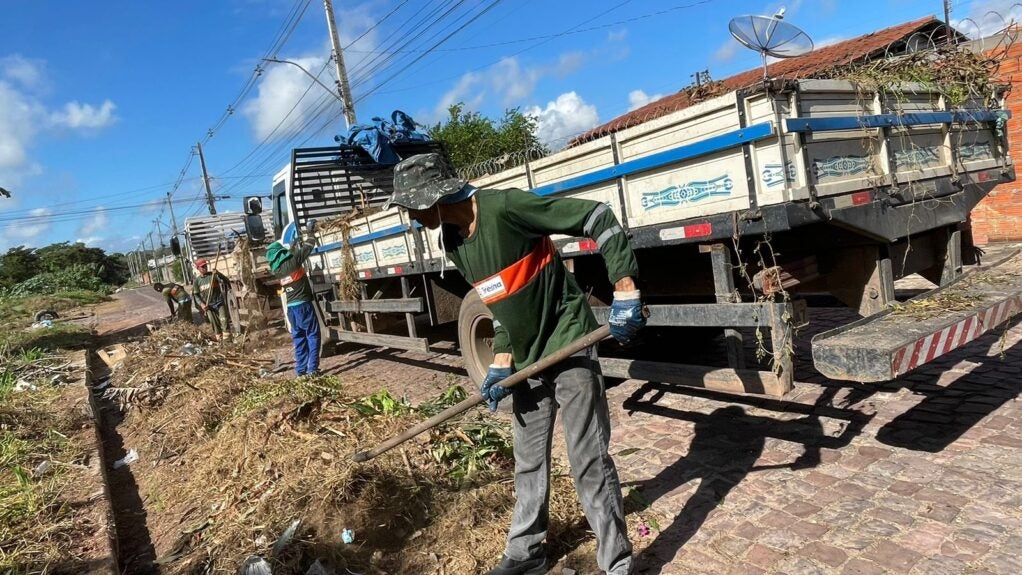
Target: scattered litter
[286,537]
[45,324]
[347,536]
[190,349]
[644,529]
[58,379]
[264,373]
[23,385]
[567,571]
[255,565]
[326,456]
[628,451]
[128,459]
[165,349]
[101,384]
[317,568]
[45,315]
[41,469]
[112,356]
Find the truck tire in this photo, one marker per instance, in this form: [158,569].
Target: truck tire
[475,336]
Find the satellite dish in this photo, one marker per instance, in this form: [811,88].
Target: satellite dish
[770,36]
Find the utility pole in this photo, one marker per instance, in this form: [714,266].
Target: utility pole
[131,264]
[342,73]
[947,22]
[159,233]
[156,260]
[205,180]
[174,234]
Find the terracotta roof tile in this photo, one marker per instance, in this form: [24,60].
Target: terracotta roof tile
[808,65]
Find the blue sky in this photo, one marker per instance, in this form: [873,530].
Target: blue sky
[101,103]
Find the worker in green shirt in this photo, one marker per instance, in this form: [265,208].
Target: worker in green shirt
[210,293]
[500,241]
[176,294]
[287,265]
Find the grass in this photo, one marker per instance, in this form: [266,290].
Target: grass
[35,523]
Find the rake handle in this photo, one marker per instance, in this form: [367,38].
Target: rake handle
[553,359]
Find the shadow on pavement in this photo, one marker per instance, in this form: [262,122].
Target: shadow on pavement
[948,411]
[724,448]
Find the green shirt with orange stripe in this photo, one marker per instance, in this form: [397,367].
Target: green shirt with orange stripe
[537,306]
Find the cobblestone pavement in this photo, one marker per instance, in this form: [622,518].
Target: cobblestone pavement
[922,475]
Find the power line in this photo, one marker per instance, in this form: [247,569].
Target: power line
[549,36]
[484,66]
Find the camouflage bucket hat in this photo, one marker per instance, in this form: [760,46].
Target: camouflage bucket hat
[420,181]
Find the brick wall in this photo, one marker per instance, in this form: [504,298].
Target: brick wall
[999,216]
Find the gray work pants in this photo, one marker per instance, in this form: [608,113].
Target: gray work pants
[576,387]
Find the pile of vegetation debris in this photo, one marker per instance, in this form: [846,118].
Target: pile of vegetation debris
[53,514]
[240,466]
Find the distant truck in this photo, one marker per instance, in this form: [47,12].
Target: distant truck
[841,191]
[235,246]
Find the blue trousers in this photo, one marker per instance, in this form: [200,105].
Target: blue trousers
[305,333]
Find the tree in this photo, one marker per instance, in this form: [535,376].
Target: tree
[59,256]
[472,138]
[17,265]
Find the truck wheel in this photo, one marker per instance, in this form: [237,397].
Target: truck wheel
[475,336]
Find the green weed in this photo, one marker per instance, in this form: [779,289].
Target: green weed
[472,448]
[455,394]
[381,403]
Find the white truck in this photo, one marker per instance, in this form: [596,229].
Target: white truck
[735,206]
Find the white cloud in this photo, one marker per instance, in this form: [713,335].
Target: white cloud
[75,115]
[280,100]
[27,72]
[507,80]
[727,50]
[638,99]
[562,119]
[30,229]
[91,241]
[988,17]
[23,117]
[97,222]
[20,118]
[617,35]
[279,109]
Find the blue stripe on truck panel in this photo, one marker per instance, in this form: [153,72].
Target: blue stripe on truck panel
[701,148]
[391,231]
[711,145]
[890,120]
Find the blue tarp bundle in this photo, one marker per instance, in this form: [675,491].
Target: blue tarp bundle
[377,137]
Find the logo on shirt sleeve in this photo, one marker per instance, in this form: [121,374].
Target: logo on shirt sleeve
[491,288]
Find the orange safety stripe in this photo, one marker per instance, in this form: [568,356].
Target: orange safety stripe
[293,277]
[515,276]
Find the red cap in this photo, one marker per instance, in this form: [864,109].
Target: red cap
[201,263]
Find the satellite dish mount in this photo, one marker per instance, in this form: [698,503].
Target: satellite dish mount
[770,36]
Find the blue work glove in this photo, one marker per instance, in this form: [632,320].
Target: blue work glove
[492,392]
[626,317]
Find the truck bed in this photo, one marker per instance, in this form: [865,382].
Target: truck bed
[819,151]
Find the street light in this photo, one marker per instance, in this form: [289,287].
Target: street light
[344,105]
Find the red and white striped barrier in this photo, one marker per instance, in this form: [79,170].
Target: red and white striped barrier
[956,335]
